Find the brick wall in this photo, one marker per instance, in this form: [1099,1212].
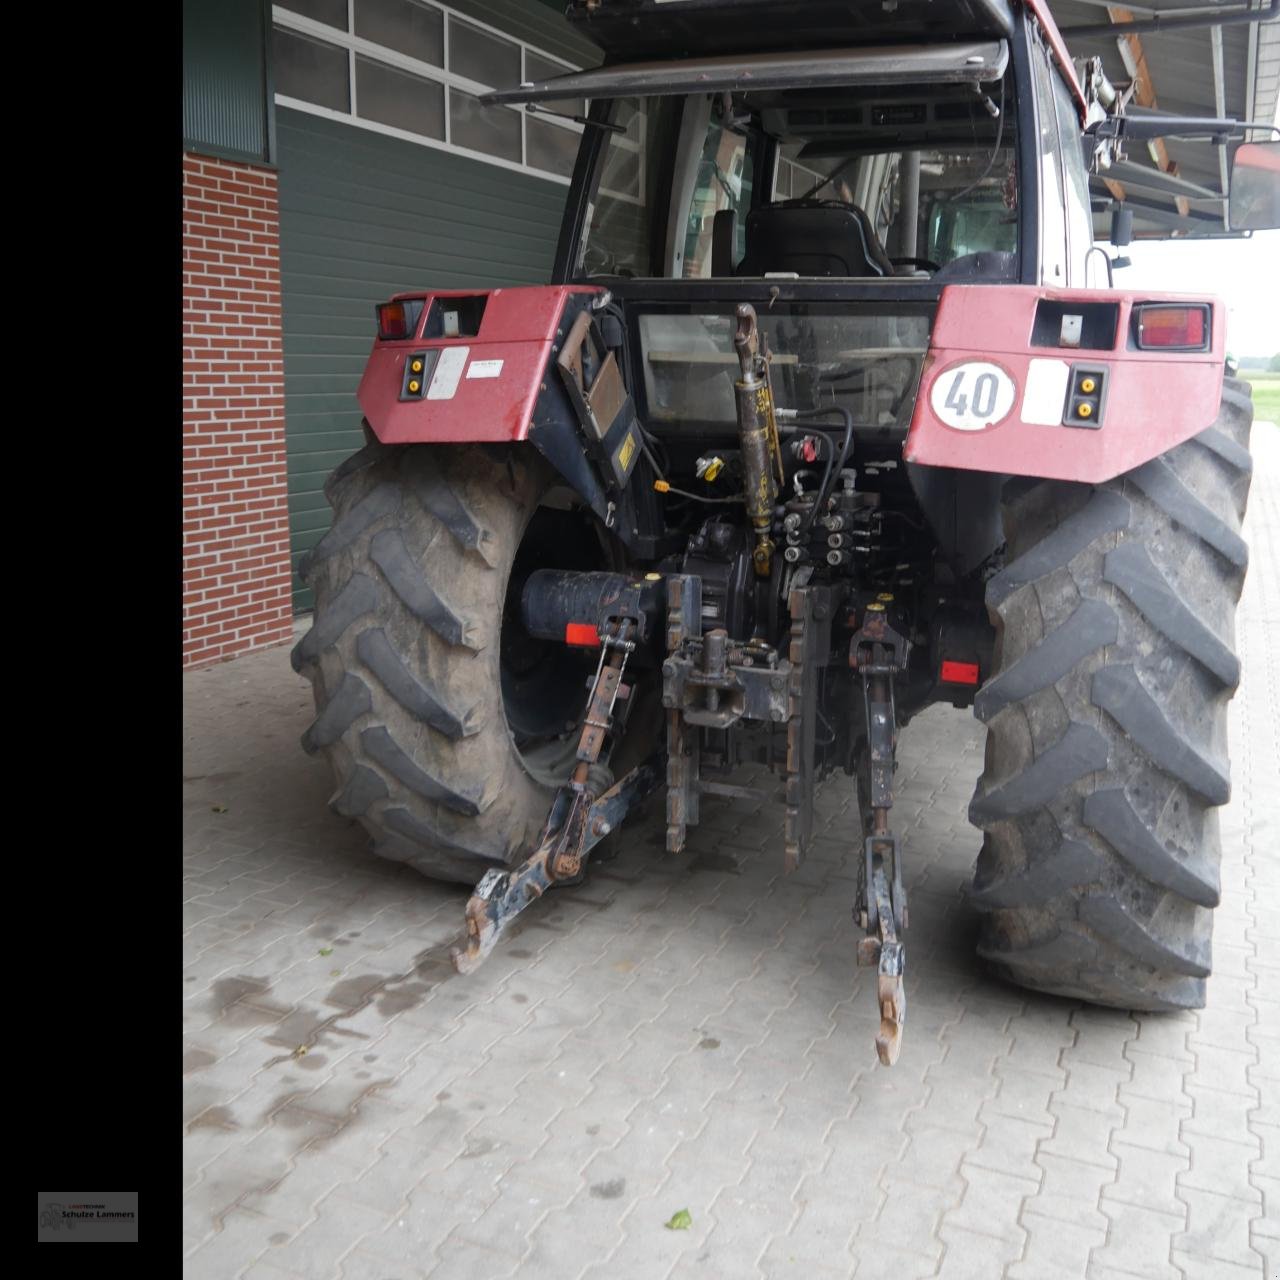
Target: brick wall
[235,585]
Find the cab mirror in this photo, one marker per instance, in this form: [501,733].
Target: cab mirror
[1254,203]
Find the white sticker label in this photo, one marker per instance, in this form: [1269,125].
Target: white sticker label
[973,396]
[1045,398]
[484,369]
[448,373]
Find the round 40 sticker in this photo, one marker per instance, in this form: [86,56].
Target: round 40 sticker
[973,396]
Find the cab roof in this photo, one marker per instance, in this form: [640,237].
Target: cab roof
[641,29]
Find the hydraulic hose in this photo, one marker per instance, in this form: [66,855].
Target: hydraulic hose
[832,471]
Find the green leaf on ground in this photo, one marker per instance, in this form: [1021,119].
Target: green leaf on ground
[326,951]
[681,1221]
[218,808]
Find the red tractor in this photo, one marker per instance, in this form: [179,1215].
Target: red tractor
[819,422]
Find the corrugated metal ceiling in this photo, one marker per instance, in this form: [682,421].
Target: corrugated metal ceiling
[1182,74]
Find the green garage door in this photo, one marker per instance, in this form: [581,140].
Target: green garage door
[365,214]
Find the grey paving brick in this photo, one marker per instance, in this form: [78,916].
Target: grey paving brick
[1221,1115]
[1008,1145]
[1146,1178]
[315,1250]
[908,1215]
[1070,1191]
[972,1255]
[1216,1166]
[1155,1123]
[243,1238]
[1218,1227]
[1055,1250]
[1198,1268]
[1138,1241]
[1082,1134]
[991,1203]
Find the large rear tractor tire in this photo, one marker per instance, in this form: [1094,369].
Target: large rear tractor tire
[448,728]
[1107,717]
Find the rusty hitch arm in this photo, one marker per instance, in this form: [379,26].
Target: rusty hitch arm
[578,820]
[879,654]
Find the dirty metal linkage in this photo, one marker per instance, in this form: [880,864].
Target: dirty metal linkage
[578,820]
[879,654]
[810,607]
[712,682]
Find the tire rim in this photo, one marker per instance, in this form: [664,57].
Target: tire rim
[544,683]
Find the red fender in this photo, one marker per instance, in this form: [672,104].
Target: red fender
[1151,400]
[486,389]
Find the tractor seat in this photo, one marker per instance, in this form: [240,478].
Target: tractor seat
[813,238]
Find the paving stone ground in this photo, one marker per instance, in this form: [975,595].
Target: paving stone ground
[694,1034]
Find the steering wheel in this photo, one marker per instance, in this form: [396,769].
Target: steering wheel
[927,263]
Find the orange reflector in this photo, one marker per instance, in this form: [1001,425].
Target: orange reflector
[1172,328]
[582,633]
[959,672]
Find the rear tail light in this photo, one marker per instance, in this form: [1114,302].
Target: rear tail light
[398,320]
[582,633]
[958,672]
[1165,328]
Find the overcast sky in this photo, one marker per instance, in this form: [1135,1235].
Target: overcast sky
[1245,273]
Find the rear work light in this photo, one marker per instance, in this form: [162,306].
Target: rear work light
[399,319]
[1165,328]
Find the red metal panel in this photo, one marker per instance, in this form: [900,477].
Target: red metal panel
[1154,400]
[518,328]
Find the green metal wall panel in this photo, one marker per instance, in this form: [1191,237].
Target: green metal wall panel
[225,108]
[362,216]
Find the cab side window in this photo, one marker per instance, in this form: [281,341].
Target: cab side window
[724,182]
[1079,215]
[1053,200]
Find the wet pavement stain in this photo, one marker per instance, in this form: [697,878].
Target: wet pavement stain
[213,1118]
[480,1147]
[610,1190]
[241,1000]
[710,1042]
[321,1116]
[711,860]
[302,1028]
[226,993]
[408,997]
[197,1060]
